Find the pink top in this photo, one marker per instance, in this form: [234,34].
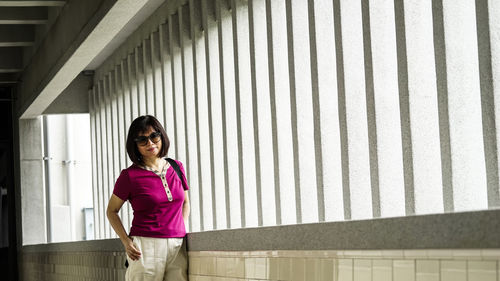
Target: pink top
[154,214]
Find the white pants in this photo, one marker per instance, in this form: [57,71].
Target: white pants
[162,259]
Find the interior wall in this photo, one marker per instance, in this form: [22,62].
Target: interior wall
[461,246]
[32,187]
[288,112]
[388,265]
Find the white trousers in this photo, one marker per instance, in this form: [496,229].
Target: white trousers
[162,259]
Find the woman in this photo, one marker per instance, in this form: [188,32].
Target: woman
[154,246]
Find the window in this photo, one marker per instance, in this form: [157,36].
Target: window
[68,177]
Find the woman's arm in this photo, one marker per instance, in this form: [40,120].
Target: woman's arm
[114,206]
[186,208]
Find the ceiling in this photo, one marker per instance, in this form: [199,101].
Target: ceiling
[23,25]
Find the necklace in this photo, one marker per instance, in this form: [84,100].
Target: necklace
[156,171]
[162,176]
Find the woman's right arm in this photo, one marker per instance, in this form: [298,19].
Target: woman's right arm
[114,206]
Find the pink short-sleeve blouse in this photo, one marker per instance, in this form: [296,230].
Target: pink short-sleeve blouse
[154,214]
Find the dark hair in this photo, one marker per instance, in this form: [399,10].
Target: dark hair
[140,125]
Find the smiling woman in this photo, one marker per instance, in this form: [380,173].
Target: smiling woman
[157,190]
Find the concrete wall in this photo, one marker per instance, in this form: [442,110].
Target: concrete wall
[74,23]
[81,36]
[336,251]
[418,265]
[289,112]
[64,203]
[390,108]
[79,266]
[74,99]
[33,203]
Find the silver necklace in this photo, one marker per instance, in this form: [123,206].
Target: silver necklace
[162,176]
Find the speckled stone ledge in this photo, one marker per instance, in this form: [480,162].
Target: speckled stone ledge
[467,230]
[103,245]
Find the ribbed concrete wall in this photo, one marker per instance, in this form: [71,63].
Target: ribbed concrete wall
[303,111]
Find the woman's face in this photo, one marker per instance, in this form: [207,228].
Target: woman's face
[150,148]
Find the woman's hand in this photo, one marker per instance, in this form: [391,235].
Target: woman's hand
[132,252]
[114,205]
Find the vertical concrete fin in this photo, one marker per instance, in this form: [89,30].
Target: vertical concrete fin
[342,109]
[370,109]
[487,102]
[442,89]
[272,103]
[404,104]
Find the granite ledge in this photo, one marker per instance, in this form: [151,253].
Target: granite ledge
[466,230]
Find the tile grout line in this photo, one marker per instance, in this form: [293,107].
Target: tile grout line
[497,273]
[392,270]
[439,269]
[415,269]
[371,269]
[467,270]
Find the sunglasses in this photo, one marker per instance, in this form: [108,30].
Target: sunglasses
[144,140]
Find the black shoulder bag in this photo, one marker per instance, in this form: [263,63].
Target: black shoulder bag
[177,170]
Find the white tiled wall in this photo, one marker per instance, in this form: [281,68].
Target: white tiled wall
[73,266]
[427,270]
[385,265]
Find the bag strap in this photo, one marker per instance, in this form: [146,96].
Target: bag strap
[177,170]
